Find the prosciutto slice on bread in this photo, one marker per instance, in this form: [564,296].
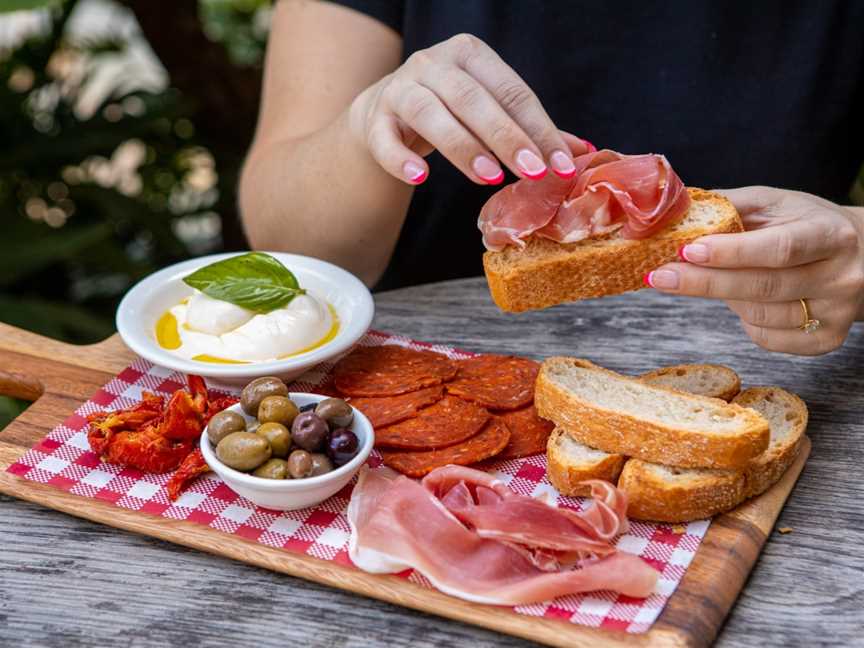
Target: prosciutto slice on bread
[475,539]
[638,194]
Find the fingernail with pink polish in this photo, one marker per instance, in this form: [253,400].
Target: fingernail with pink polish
[530,164]
[663,279]
[562,164]
[591,147]
[414,173]
[488,170]
[695,253]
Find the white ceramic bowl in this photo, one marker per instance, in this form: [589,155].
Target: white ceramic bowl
[148,300]
[291,494]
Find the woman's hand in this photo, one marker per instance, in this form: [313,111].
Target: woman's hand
[797,246]
[459,97]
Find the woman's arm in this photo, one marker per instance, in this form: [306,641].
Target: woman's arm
[344,129]
[307,185]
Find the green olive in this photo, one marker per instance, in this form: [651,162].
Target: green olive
[258,390]
[300,464]
[336,412]
[278,436]
[320,464]
[243,450]
[223,424]
[272,469]
[277,409]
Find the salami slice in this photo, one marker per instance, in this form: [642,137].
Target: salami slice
[390,370]
[387,410]
[495,381]
[528,433]
[491,440]
[448,421]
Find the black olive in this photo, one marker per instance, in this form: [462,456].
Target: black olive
[342,446]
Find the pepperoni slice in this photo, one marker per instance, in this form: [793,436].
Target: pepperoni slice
[491,440]
[390,370]
[448,421]
[393,409]
[496,381]
[528,433]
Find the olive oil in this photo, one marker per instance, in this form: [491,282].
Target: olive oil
[203,357]
[166,332]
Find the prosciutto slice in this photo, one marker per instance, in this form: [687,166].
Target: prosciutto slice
[445,527]
[494,511]
[638,194]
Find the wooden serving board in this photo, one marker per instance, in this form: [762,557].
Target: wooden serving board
[59,377]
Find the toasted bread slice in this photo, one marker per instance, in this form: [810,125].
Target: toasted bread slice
[569,463]
[545,273]
[624,415]
[788,416]
[714,381]
[669,494]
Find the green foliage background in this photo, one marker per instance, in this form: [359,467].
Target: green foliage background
[77,231]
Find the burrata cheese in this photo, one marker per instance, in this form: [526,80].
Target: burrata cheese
[211,327]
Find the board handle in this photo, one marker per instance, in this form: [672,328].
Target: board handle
[26,342]
[109,355]
[16,383]
[20,386]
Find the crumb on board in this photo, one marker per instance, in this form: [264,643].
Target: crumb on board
[785,530]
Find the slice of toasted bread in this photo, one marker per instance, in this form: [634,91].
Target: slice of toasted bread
[669,494]
[624,415]
[714,381]
[788,416]
[569,463]
[545,273]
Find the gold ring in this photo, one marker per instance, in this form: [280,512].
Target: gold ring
[808,324]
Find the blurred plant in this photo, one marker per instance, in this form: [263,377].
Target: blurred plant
[240,25]
[101,181]
[109,169]
[212,54]
[9,409]
[7,6]
[93,188]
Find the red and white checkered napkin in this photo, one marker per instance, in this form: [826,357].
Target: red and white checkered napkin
[64,459]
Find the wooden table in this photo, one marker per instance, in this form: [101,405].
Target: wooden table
[68,582]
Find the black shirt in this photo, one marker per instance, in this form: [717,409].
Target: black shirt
[767,92]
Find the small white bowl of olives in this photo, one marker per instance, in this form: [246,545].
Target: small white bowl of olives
[286,451]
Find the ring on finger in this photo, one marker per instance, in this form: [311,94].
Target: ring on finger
[808,324]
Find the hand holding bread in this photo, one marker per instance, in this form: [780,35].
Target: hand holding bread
[791,265]
[797,246]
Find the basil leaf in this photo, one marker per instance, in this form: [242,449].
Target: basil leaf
[255,281]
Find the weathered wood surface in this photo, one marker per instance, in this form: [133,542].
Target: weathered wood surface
[807,589]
